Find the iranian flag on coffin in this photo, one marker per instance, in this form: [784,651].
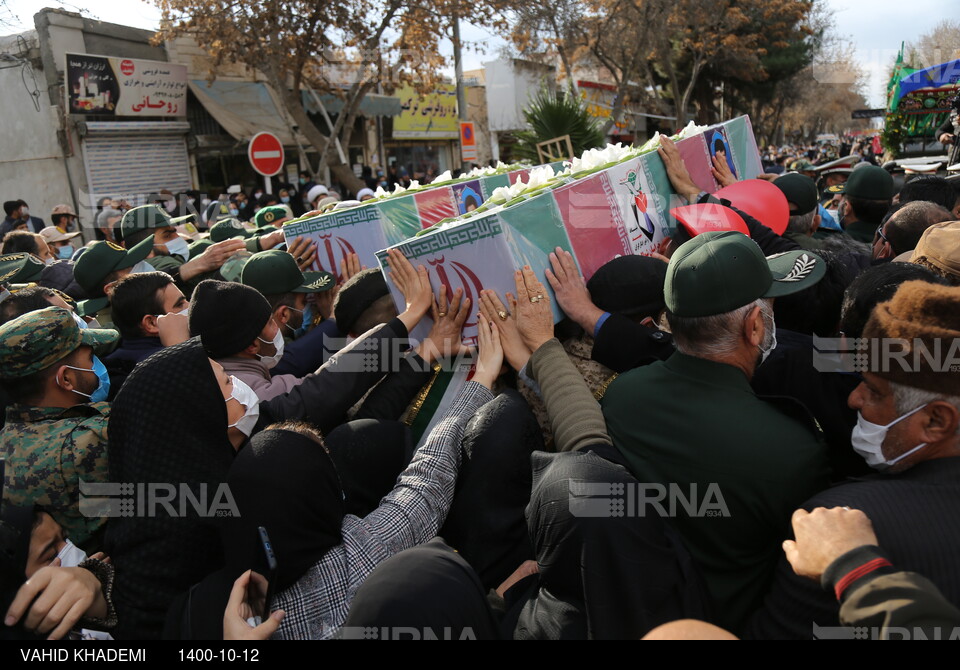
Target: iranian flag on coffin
[613,211]
[375,225]
[361,230]
[483,252]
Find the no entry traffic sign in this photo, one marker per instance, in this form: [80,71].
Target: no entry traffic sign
[266,154]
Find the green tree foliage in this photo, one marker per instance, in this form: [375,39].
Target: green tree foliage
[552,115]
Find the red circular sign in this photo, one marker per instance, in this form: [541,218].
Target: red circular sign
[266,154]
[126,67]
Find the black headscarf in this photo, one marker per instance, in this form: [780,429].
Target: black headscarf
[369,456]
[486,522]
[168,425]
[613,577]
[287,483]
[16,525]
[428,589]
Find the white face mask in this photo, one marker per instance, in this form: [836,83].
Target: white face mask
[71,555]
[141,267]
[247,397]
[178,247]
[765,353]
[271,361]
[867,440]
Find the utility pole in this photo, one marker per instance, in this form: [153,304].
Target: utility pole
[458,71]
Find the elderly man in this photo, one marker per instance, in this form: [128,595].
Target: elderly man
[691,427]
[909,416]
[903,230]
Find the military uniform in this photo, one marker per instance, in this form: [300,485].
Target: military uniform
[731,467]
[50,450]
[95,265]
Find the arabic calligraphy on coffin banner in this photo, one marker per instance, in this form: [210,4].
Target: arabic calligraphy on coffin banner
[107,86]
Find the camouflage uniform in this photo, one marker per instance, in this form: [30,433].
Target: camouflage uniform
[48,451]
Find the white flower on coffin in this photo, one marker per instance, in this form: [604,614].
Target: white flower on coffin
[540,176]
[381,192]
[691,130]
[508,193]
[442,177]
[652,144]
[597,158]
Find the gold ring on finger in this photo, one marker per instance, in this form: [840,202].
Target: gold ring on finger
[441,314]
[502,315]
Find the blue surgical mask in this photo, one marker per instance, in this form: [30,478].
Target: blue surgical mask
[285,199]
[234,211]
[103,389]
[65,252]
[141,267]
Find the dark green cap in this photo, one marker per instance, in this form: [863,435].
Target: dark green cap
[800,191]
[198,247]
[227,229]
[20,268]
[102,258]
[36,340]
[868,182]
[274,272]
[269,215]
[91,306]
[718,272]
[146,217]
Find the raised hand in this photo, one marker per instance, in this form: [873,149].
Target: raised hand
[491,309]
[445,337]
[721,170]
[676,170]
[534,316]
[571,291]
[414,284]
[304,252]
[490,358]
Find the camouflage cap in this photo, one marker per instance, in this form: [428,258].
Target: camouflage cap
[274,272]
[20,268]
[102,258]
[269,216]
[36,340]
[226,229]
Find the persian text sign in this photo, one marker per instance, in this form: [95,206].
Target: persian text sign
[430,116]
[125,86]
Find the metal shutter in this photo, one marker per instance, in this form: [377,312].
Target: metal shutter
[135,158]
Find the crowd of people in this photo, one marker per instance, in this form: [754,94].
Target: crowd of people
[204,438]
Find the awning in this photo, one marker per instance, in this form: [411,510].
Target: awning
[244,109]
[372,105]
